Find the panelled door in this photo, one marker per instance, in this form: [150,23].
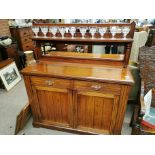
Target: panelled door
[96,107]
[96,112]
[53,104]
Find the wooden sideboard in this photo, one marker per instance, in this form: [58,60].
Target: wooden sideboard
[23,38]
[77,97]
[80,92]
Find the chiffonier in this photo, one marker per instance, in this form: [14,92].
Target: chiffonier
[84,93]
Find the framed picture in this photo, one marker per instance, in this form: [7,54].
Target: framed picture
[10,76]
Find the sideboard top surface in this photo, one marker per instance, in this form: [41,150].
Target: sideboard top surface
[89,72]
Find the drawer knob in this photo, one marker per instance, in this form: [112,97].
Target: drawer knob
[96,87]
[49,82]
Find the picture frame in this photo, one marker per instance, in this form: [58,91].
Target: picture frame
[10,76]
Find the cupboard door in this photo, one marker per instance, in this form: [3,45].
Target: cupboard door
[54,105]
[95,112]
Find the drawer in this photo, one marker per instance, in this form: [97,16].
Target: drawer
[51,82]
[26,40]
[97,86]
[31,33]
[24,33]
[28,46]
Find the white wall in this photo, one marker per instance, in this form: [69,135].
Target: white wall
[98,49]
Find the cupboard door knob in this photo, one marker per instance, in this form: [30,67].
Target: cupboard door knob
[49,82]
[96,87]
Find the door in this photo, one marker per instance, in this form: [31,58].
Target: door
[53,104]
[95,111]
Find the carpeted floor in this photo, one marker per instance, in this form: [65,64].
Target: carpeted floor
[13,101]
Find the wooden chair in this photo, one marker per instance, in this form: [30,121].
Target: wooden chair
[147,73]
[140,39]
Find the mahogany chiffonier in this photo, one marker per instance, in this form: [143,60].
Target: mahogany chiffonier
[83,93]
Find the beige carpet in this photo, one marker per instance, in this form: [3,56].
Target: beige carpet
[13,101]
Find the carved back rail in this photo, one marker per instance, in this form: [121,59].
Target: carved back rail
[88,35]
[88,40]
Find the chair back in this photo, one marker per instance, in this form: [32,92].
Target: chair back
[147,69]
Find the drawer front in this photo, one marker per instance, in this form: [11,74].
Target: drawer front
[28,46]
[26,40]
[97,86]
[31,32]
[51,82]
[24,33]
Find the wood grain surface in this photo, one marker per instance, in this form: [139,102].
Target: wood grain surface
[80,72]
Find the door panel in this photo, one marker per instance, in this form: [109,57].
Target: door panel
[95,112]
[54,105]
